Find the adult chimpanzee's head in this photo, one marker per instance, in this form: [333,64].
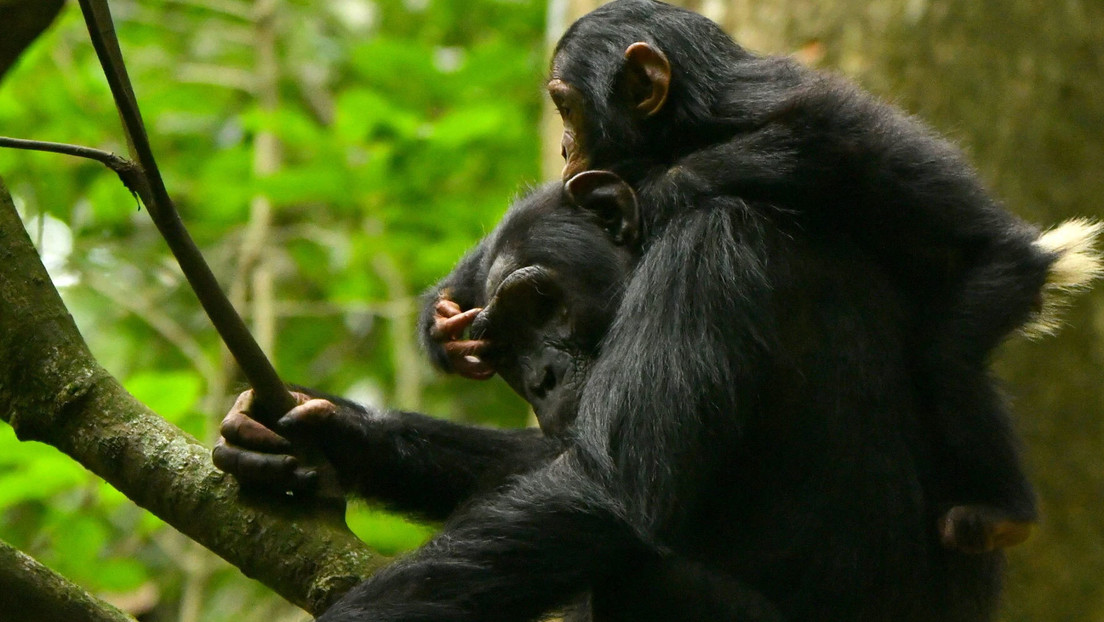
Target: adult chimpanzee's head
[638,79]
[554,272]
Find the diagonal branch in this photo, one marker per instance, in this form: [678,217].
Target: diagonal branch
[53,391]
[271,392]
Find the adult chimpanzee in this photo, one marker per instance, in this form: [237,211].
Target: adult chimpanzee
[549,279]
[573,289]
[747,443]
[666,99]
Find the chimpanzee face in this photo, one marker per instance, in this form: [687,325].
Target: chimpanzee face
[599,120]
[555,271]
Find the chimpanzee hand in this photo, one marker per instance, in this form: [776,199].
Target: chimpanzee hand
[259,457]
[449,324]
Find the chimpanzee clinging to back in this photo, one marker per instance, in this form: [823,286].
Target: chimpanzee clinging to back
[666,99]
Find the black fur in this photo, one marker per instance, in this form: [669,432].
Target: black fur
[751,424]
[830,161]
[748,447]
[538,521]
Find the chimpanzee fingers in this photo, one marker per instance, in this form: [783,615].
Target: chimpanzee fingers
[452,327]
[465,361]
[308,418]
[446,308]
[274,471]
[239,429]
[474,368]
[243,403]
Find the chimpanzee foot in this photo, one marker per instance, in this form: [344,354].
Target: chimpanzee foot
[981,529]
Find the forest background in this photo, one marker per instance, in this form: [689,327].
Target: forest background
[333,159]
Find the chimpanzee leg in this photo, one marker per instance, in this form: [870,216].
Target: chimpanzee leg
[511,557]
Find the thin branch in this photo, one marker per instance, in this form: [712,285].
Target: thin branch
[107,158]
[129,172]
[271,392]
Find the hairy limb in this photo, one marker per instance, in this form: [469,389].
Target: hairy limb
[511,557]
[671,389]
[412,462]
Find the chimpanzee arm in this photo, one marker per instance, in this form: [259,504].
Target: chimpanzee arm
[409,461]
[679,372]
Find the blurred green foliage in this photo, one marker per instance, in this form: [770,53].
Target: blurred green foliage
[404,129]
[405,126]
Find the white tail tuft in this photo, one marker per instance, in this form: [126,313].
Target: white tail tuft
[1077,263]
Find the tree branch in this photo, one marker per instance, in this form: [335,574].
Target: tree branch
[271,392]
[129,172]
[53,391]
[38,593]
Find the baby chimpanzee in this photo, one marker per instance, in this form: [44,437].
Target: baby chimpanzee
[666,99]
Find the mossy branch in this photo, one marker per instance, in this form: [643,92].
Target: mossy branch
[52,390]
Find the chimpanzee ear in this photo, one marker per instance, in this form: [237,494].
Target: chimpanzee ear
[611,200]
[648,75]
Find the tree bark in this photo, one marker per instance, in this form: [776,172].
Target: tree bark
[53,391]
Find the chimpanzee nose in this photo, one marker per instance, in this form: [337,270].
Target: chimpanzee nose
[547,382]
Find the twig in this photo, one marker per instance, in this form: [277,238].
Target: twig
[129,172]
[272,396]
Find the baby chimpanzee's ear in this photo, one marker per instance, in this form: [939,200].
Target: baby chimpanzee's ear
[611,201]
[647,78]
